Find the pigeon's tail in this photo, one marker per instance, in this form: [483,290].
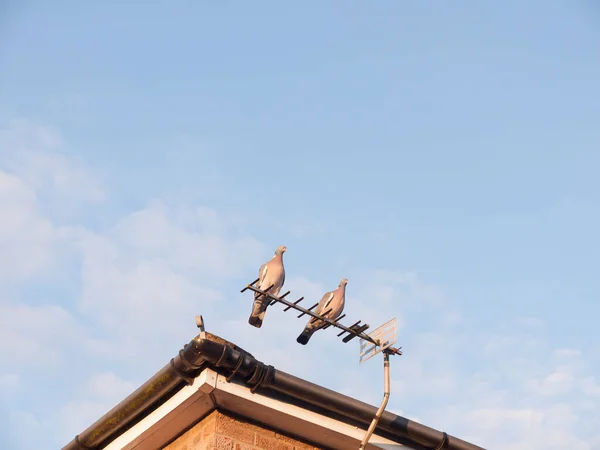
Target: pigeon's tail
[255,321]
[304,337]
[258,313]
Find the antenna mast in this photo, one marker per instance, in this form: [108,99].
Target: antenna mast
[379,341]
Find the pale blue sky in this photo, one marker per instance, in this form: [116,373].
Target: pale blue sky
[458,141]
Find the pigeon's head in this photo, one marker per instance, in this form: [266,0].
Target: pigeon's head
[344,282]
[280,250]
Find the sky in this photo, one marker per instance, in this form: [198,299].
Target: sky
[442,156]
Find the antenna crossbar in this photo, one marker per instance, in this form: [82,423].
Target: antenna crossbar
[356,330]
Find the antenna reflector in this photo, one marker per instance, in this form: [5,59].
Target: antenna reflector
[385,335]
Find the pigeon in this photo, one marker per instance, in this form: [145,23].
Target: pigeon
[270,273]
[330,307]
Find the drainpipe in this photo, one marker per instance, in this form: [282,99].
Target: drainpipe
[386,397]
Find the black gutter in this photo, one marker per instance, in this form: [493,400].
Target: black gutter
[211,351]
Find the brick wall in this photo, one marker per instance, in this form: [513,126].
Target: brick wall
[220,431]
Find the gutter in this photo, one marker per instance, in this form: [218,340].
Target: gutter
[207,350]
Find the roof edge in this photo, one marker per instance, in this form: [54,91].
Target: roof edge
[210,350]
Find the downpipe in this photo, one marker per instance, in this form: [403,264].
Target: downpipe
[386,397]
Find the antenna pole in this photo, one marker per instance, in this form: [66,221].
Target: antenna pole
[381,341]
[386,397]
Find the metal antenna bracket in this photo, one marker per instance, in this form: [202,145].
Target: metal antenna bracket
[384,402]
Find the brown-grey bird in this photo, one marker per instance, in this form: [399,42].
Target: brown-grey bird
[270,273]
[330,307]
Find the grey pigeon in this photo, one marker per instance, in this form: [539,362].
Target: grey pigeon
[270,273]
[330,307]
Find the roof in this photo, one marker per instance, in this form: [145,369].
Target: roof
[209,371]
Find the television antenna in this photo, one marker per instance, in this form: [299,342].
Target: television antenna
[378,341]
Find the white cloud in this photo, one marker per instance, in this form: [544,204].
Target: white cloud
[95,397]
[492,418]
[194,241]
[559,382]
[510,406]
[43,336]
[527,428]
[389,293]
[452,318]
[590,387]
[107,386]
[9,383]
[31,167]
[76,416]
[57,426]
[34,152]
[27,239]
[530,322]
[567,353]
[22,136]
[34,335]
[26,430]
[157,266]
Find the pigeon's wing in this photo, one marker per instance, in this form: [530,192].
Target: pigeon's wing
[262,273]
[274,276]
[335,304]
[324,308]
[324,303]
